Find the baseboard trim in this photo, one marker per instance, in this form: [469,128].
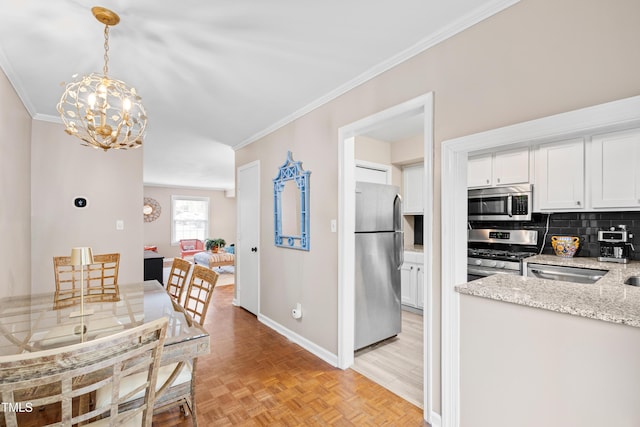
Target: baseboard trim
[436,420]
[314,349]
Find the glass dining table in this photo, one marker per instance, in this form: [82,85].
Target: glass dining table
[32,323]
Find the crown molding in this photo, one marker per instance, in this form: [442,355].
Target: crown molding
[226,190]
[16,83]
[47,118]
[449,31]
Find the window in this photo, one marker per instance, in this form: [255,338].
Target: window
[189,218]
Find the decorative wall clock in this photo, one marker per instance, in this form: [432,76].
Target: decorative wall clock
[151,209]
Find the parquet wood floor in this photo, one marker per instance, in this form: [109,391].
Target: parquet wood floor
[256,377]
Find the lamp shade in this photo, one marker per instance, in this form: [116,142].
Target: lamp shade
[81,256]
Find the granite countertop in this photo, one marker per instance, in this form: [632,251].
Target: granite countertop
[414,248]
[607,299]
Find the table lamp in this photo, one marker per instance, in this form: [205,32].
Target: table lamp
[81,256]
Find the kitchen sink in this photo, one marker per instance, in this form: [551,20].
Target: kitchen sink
[567,274]
[633,281]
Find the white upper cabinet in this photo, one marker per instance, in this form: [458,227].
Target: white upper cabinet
[511,167]
[615,170]
[479,170]
[413,189]
[559,176]
[496,169]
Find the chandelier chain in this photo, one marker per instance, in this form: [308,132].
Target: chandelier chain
[106,50]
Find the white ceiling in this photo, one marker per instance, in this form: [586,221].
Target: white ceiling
[217,75]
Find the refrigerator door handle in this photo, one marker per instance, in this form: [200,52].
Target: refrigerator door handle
[397,213]
[398,238]
[398,247]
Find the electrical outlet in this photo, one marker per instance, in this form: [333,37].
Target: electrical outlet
[119,224]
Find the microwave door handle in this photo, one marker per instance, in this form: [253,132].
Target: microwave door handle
[509,205]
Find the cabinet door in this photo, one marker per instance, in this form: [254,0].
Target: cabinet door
[559,172]
[413,186]
[511,167]
[615,177]
[479,170]
[420,286]
[408,293]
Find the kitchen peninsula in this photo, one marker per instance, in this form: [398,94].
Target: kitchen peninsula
[547,352]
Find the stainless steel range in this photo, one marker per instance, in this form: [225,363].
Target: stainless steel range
[494,251]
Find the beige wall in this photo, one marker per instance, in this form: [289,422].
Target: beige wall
[15,193]
[111,181]
[222,217]
[526,367]
[537,58]
[372,150]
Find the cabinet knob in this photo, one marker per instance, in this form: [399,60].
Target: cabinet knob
[498,180]
[487,181]
[578,203]
[411,267]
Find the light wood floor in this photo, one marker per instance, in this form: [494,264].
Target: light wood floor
[397,363]
[256,377]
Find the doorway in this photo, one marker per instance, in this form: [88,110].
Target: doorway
[606,117]
[422,106]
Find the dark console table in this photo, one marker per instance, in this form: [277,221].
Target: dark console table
[153,266]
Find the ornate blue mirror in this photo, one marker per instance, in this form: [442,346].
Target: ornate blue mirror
[291,205]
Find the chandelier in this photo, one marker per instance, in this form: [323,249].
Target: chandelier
[103,112]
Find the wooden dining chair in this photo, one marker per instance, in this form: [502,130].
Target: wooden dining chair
[176,381]
[178,278]
[179,378]
[199,292]
[57,380]
[101,280]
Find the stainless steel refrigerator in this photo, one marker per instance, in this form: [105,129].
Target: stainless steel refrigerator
[379,254]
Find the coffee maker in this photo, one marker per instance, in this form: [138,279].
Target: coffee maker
[615,244]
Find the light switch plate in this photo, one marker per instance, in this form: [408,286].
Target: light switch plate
[119,224]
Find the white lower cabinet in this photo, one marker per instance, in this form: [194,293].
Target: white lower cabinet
[412,280]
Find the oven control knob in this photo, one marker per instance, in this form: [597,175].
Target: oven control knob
[500,264]
[492,263]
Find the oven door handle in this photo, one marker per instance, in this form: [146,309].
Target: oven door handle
[509,205]
[480,271]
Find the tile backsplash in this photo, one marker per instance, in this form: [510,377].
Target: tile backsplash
[582,224]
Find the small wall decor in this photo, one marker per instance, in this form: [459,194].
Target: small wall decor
[291,205]
[151,209]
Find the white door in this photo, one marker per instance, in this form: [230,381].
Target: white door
[248,235]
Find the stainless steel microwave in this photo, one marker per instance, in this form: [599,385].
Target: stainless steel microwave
[512,203]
